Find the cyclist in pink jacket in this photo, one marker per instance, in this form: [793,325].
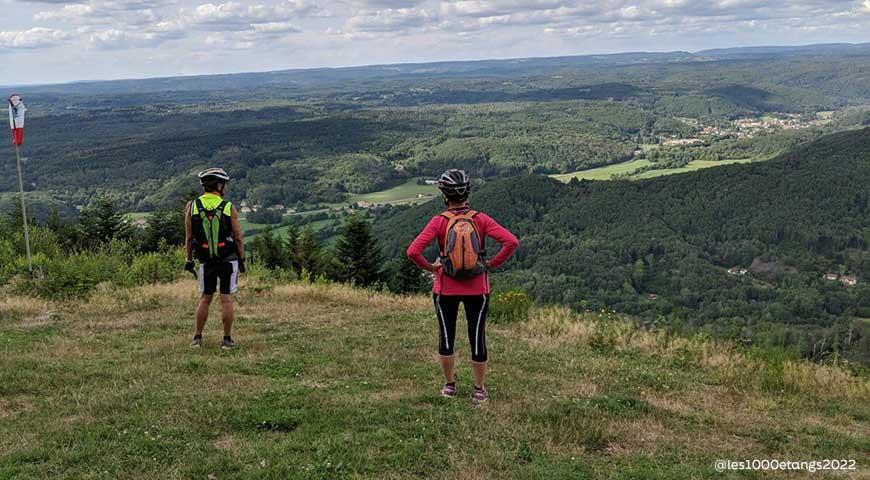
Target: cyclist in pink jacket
[461,275]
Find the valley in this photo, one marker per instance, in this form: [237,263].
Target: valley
[307,152]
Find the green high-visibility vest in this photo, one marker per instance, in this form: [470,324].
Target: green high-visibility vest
[212,217]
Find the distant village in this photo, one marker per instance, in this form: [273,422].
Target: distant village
[245,207]
[745,128]
[847,280]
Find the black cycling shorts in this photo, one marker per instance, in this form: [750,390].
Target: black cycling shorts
[226,272]
[447,310]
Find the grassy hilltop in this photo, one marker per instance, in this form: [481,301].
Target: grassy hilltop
[336,382]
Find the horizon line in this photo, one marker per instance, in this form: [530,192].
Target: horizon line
[431,62]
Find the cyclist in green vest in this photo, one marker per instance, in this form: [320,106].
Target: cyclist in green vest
[213,235]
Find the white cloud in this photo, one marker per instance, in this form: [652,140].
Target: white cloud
[118,39]
[390,20]
[68,12]
[494,8]
[36,37]
[238,16]
[333,32]
[275,27]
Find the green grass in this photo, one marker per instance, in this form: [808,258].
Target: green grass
[331,382]
[248,226]
[606,172]
[405,193]
[691,167]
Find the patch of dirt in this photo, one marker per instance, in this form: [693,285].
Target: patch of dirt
[45,319]
[12,406]
[226,442]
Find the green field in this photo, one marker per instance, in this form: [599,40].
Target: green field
[331,382]
[627,168]
[282,231]
[402,194]
[691,167]
[604,173]
[247,226]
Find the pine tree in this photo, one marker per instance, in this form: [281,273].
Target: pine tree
[357,257]
[270,251]
[407,277]
[165,227]
[308,252]
[101,223]
[291,243]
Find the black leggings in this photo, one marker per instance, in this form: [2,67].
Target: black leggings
[447,310]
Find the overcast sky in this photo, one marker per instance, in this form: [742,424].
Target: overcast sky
[44,41]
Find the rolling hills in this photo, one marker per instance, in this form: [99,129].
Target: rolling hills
[318,136]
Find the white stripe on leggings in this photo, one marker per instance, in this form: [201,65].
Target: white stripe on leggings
[477,328]
[441,317]
[234,277]
[201,278]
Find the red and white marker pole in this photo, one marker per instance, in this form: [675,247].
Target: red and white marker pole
[16,124]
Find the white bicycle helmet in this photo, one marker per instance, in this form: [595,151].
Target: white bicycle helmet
[455,184]
[218,173]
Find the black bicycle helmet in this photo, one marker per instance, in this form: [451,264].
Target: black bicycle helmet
[455,184]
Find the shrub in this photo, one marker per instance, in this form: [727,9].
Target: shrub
[19,264]
[7,258]
[510,306]
[258,273]
[75,276]
[154,268]
[42,240]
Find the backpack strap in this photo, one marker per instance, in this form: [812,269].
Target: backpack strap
[221,207]
[469,214]
[197,207]
[466,214]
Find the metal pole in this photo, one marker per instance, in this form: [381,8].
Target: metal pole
[24,211]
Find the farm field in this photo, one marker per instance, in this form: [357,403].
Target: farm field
[604,173]
[406,193]
[627,168]
[691,167]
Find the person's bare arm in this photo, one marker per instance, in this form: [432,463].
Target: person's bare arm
[188,233]
[237,233]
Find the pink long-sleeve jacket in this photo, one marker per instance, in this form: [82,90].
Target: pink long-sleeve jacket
[437,229]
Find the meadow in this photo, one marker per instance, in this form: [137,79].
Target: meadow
[630,170]
[332,382]
[405,193]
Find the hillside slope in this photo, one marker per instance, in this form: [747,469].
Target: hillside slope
[661,248]
[333,382]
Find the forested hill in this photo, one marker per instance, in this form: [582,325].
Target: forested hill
[318,77]
[661,248]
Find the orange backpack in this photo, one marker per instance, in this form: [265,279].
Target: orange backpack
[463,255]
